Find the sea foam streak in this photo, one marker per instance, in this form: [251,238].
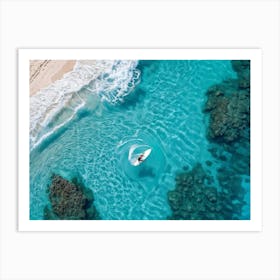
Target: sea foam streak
[111,80]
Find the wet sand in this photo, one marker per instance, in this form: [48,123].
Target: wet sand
[45,72]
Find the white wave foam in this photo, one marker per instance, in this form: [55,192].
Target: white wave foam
[111,80]
[116,81]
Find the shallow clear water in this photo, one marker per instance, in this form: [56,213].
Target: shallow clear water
[164,111]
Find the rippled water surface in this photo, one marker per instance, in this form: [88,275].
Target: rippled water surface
[163,111]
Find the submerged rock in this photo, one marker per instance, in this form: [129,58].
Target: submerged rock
[242,68]
[228,106]
[69,200]
[193,199]
[229,115]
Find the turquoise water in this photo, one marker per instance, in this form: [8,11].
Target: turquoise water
[163,111]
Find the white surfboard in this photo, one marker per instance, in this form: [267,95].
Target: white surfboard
[145,154]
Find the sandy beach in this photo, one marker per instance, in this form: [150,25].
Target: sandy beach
[45,72]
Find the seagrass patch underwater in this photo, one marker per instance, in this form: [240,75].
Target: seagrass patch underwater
[140,140]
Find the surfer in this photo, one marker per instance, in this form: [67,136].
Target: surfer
[140,158]
[137,159]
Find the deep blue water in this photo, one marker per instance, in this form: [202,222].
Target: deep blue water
[164,111]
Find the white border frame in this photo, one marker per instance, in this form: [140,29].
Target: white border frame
[254,224]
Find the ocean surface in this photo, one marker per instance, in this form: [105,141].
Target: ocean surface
[93,126]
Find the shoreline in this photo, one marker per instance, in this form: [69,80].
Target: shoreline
[45,72]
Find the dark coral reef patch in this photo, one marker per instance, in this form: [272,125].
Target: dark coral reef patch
[196,198]
[242,69]
[228,105]
[69,200]
[229,114]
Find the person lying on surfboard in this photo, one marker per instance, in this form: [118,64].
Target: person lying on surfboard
[140,158]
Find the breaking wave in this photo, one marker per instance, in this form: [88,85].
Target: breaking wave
[54,106]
